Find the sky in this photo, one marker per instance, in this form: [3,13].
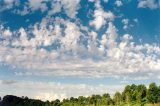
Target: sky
[53,49]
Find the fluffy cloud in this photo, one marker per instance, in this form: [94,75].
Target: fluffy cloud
[7,33]
[152,4]
[125,22]
[75,53]
[58,47]
[70,7]
[8,4]
[70,40]
[101,17]
[106,1]
[38,4]
[118,3]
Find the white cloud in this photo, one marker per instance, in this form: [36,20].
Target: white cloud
[106,1]
[7,33]
[135,20]
[50,96]
[112,31]
[23,12]
[31,6]
[127,37]
[8,4]
[71,37]
[71,7]
[56,7]
[125,22]
[77,51]
[101,17]
[91,0]
[38,4]
[152,4]
[118,3]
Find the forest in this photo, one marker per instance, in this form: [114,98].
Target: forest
[132,95]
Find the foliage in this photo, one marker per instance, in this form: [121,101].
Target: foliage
[153,93]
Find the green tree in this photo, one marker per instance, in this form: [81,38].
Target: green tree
[73,101]
[93,100]
[127,94]
[65,102]
[98,99]
[81,101]
[159,94]
[47,103]
[106,99]
[152,93]
[117,98]
[133,92]
[57,102]
[141,93]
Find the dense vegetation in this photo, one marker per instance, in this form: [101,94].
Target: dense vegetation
[133,95]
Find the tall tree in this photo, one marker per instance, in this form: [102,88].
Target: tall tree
[117,98]
[81,100]
[127,94]
[93,100]
[140,93]
[106,99]
[152,93]
[133,89]
[159,95]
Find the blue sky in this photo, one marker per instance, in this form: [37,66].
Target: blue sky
[61,48]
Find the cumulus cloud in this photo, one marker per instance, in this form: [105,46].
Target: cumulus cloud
[125,22]
[152,4]
[8,4]
[56,7]
[59,47]
[26,6]
[118,3]
[70,40]
[76,51]
[70,7]
[37,4]
[7,33]
[100,16]
[106,1]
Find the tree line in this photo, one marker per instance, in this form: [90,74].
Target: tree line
[132,95]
